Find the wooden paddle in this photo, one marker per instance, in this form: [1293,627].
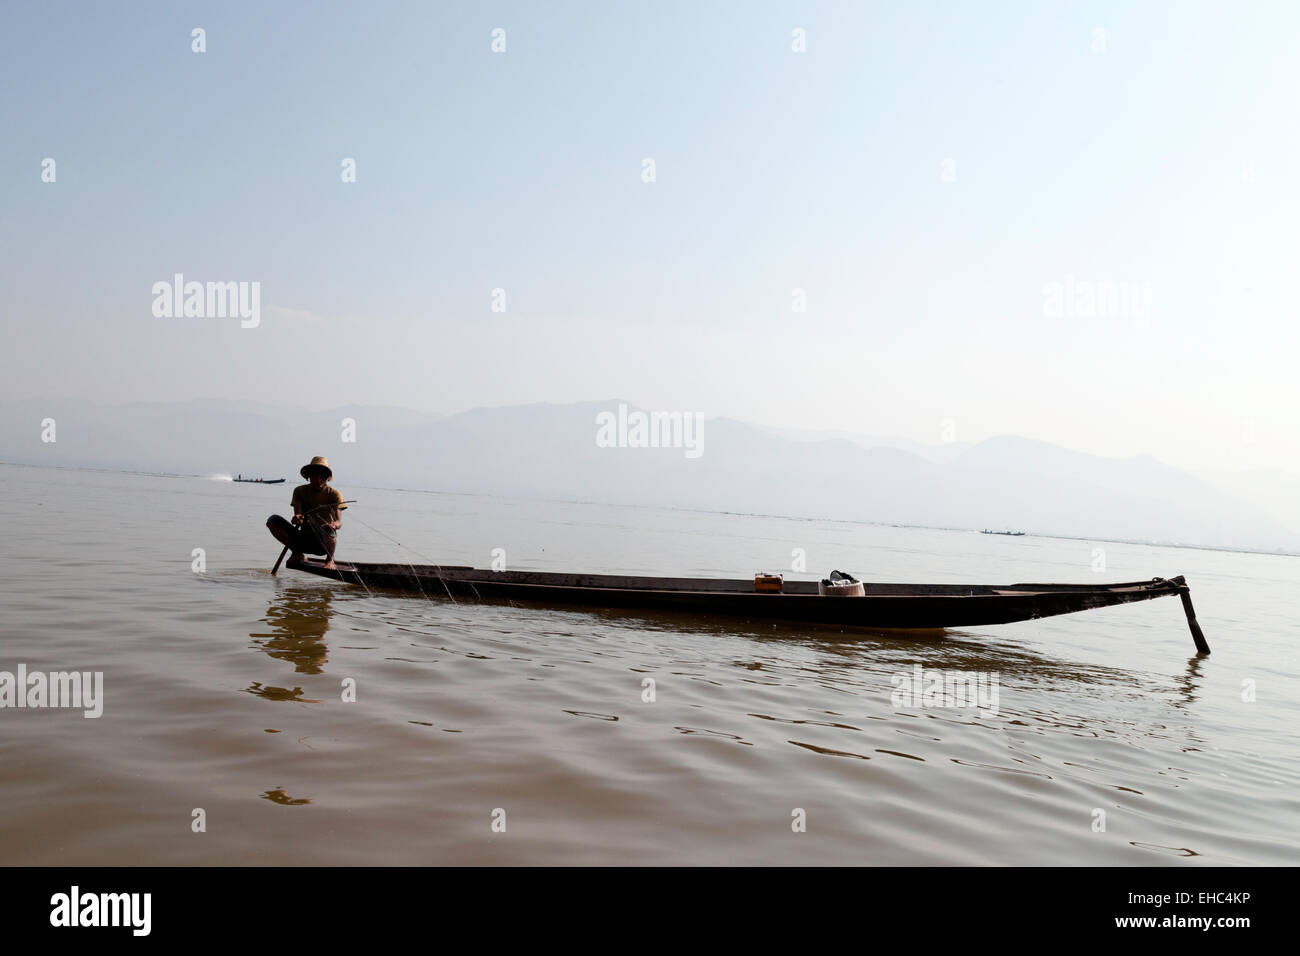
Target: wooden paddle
[349,501]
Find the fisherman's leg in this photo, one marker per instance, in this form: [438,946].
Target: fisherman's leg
[330,541]
[286,534]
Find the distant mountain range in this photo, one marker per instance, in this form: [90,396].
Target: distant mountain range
[551,451]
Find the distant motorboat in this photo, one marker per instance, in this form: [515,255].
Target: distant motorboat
[1013,534]
[258,481]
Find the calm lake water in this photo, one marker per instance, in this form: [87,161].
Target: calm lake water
[224,692]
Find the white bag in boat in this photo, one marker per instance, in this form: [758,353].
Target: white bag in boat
[840,584]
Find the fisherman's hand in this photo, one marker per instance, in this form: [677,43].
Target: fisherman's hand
[297,519]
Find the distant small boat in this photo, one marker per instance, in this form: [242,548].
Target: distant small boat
[258,481]
[1013,534]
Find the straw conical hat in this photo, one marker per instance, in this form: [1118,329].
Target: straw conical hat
[317,462]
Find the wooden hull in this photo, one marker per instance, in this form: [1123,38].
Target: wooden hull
[258,481]
[884,606]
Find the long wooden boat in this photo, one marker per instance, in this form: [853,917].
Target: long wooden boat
[883,606]
[260,481]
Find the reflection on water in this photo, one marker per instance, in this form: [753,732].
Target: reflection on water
[279,796]
[855,662]
[1174,850]
[280,693]
[1189,683]
[299,618]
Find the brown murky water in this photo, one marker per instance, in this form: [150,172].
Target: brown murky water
[223,691]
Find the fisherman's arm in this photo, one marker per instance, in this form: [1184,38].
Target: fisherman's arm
[339,508]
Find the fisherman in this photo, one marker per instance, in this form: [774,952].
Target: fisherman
[316,521]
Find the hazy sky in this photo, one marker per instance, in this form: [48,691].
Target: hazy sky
[1161,154]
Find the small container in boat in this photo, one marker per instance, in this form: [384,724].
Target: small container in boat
[840,584]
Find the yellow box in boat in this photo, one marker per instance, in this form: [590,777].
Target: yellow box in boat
[767,582]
